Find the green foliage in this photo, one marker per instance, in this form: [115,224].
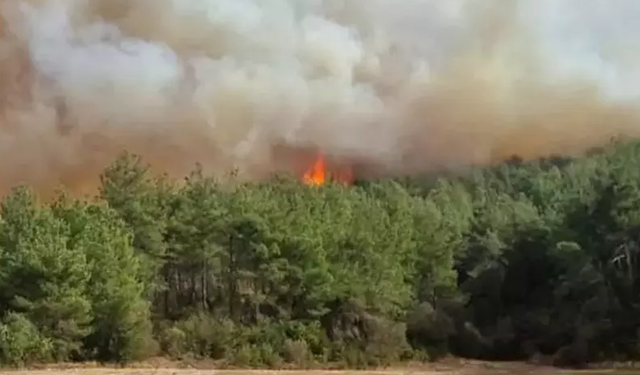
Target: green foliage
[518,261]
[21,343]
[121,327]
[43,276]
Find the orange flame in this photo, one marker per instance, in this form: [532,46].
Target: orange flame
[318,174]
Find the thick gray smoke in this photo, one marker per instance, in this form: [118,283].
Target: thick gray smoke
[401,85]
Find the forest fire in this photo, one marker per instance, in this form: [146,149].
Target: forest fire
[318,174]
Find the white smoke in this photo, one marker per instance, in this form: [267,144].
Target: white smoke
[404,85]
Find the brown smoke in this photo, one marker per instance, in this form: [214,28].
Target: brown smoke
[404,86]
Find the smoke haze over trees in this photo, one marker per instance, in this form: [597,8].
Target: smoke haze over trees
[401,86]
[525,260]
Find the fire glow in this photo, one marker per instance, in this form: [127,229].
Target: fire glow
[318,174]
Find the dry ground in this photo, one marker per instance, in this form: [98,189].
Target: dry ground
[105,371]
[456,368]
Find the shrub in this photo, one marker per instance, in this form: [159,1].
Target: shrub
[173,341]
[21,343]
[297,352]
[208,337]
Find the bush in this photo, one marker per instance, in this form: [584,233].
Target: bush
[429,330]
[208,337]
[386,343]
[244,356]
[297,352]
[268,356]
[173,341]
[21,343]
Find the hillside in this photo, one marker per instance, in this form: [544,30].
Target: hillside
[522,261]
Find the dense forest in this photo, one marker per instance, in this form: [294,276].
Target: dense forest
[527,260]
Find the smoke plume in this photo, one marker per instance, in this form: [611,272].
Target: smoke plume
[401,85]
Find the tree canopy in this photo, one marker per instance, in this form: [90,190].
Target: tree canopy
[534,260]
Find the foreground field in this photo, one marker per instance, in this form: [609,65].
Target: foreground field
[459,368]
[251,372]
